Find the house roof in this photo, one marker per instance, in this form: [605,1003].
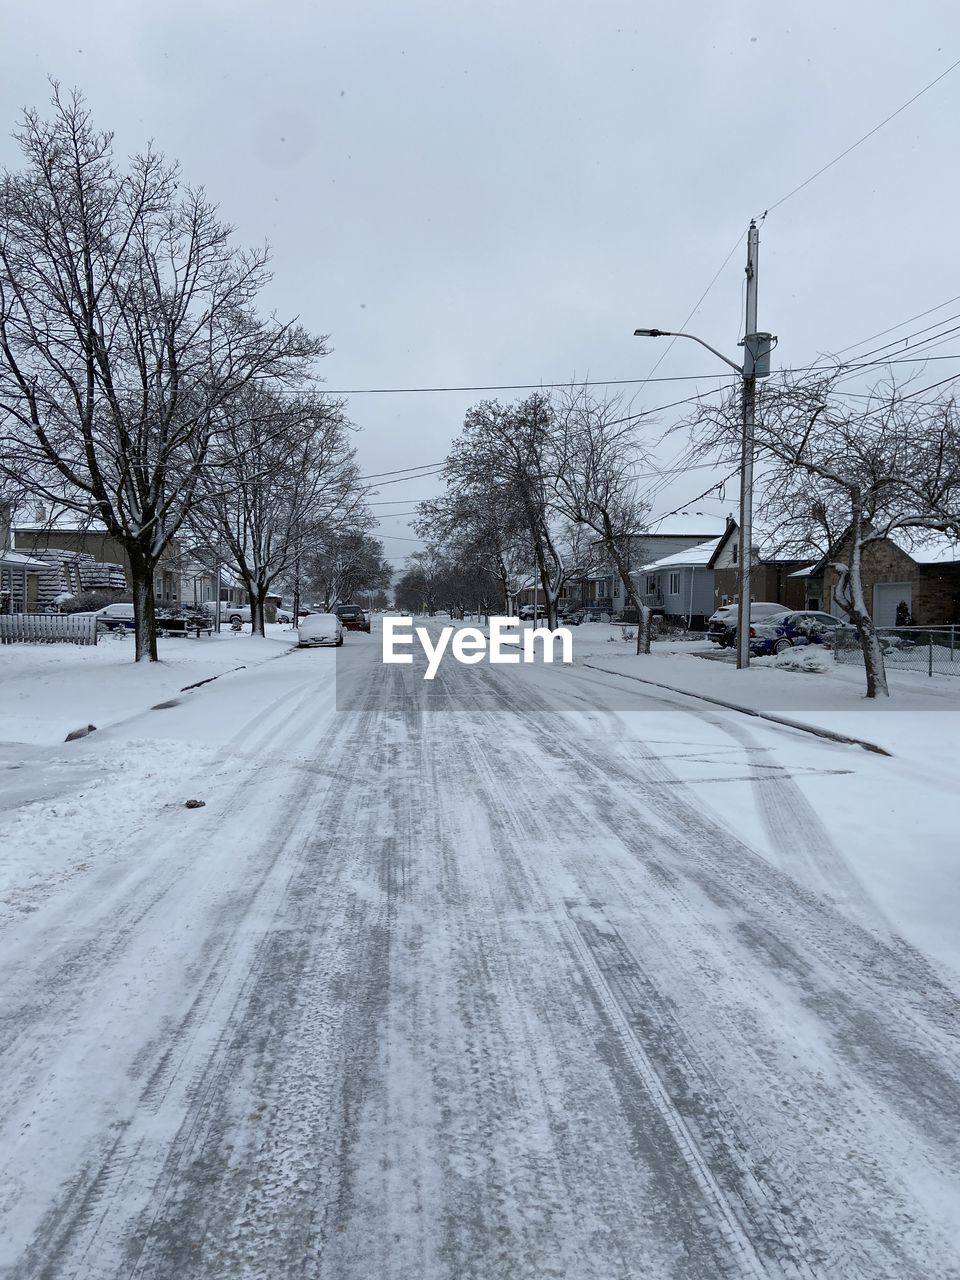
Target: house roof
[684,526]
[17,560]
[926,548]
[69,522]
[697,557]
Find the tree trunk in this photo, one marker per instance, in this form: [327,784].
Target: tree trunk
[258,596]
[144,607]
[629,586]
[851,588]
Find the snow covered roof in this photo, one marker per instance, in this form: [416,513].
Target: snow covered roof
[17,560]
[694,557]
[68,522]
[685,526]
[927,548]
[802,573]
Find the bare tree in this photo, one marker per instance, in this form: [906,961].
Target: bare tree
[506,453]
[479,528]
[837,478]
[595,457]
[127,325]
[342,561]
[281,469]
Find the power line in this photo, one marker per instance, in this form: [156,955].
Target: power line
[529,386]
[400,471]
[910,319]
[853,146]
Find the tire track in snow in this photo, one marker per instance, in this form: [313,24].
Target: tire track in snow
[732,891]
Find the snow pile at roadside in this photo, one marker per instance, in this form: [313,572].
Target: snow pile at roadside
[810,658]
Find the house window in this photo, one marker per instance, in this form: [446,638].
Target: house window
[735,550]
[652,585]
[674,583]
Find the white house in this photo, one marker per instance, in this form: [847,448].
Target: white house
[664,537]
[681,585]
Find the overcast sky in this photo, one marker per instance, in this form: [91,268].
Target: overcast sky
[464,194]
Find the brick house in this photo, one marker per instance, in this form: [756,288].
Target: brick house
[773,577]
[920,570]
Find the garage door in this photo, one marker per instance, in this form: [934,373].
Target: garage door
[886,597]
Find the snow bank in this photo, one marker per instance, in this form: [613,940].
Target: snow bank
[46,691]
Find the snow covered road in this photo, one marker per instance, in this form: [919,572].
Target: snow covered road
[511,974]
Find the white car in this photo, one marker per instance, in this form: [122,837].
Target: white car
[319,628]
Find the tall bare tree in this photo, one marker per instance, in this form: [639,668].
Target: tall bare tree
[506,454]
[596,452]
[281,470]
[127,324]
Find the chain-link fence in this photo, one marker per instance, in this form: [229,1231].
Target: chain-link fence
[932,650]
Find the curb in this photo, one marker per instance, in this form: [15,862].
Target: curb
[749,711]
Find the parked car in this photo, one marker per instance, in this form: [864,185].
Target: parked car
[783,631]
[115,617]
[319,629]
[352,617]
[722,625]
[527,612]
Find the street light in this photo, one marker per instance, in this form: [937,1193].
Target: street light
[756,364]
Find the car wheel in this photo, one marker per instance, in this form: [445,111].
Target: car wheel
[234,617]
[340,642]
[779,646]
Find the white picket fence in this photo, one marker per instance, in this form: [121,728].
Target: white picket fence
[47,628]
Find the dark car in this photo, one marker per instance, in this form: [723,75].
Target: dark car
[722,625]
[352,617]
[786,630]
[115,617]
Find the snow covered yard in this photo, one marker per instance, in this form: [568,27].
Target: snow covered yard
[48,690]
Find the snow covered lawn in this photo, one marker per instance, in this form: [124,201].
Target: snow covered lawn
[47,691]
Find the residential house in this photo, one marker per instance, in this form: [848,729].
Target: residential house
[665,537]
[773,576]
[19,582]
[680,586]
[77,535]
[916,569]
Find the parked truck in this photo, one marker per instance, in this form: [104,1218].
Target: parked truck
[228,612]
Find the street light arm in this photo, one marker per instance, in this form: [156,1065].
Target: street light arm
[665,333]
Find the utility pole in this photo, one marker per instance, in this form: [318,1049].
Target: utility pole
[745,536]
[756,364]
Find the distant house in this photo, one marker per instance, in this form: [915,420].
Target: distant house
[665,537]
[680,585]
[773,576]
[916,569]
